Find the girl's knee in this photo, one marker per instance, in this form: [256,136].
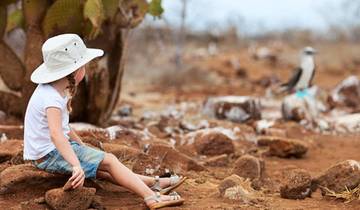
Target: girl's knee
[108,159]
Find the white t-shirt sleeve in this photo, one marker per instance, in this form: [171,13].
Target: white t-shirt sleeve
[52,101]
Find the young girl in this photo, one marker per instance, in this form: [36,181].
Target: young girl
[54,147]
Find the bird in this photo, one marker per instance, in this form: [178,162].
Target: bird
[304,74]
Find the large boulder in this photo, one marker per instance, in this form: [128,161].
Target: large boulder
[10,149]
[80,198]
[233,108]
[283,147]
[296,184]
[122,152]
[25,175]
[248,166]
[213,143]
[339,177]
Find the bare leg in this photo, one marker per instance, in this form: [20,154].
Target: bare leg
[149,181]
[124,176]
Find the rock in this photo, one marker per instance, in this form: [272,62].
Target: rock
[125,111]
[97,204]
[79,126]
[67,186]
[37,203]
[4,165]
[296,185]
[17,159]
[213,143]
[178,162]
[347,93]
[25,175]
[80,198]
[162,159]
[348,123]
[10,149]
[262,125]
[233,108]
[228,182]
[275,132]
[248,166]
[122,152]
[122,135]
[217,161]
[237,188]
[283,147]
[340,176]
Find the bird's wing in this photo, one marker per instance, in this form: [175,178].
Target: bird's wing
[294,79]
[312,76]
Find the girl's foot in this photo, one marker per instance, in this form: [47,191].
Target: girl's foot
[157,201]
[165,185]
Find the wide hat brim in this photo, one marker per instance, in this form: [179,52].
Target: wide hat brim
[44,75]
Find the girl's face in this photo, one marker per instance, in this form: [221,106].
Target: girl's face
[80,74]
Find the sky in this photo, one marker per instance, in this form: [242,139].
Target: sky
[254,15]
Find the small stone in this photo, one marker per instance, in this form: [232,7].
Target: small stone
[80,198]
[213,143]
[125,111]
[248,166]
[228,182]
[296,185]
[238,188]
[339,177]
[283,147]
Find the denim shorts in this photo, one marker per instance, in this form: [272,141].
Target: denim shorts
[89,158]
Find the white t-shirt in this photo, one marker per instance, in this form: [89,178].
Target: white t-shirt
[37,141]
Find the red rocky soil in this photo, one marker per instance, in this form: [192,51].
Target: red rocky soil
[279,168]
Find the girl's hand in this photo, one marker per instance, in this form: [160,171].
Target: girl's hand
[78,177]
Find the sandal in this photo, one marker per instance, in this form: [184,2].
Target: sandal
[176,200]
[175,182]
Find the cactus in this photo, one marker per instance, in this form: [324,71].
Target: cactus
[100,22]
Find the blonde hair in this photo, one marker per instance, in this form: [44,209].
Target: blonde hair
[72,90]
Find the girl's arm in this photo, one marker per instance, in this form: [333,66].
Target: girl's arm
[63,146]
[73,136]
[58,138]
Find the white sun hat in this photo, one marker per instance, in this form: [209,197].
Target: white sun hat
[63,54]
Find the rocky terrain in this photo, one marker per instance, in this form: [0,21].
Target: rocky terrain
[223,129]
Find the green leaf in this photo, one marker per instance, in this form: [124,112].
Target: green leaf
[155,8]
[15,19]
[63,16]
[94,11]
[3,18]
[110,8]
